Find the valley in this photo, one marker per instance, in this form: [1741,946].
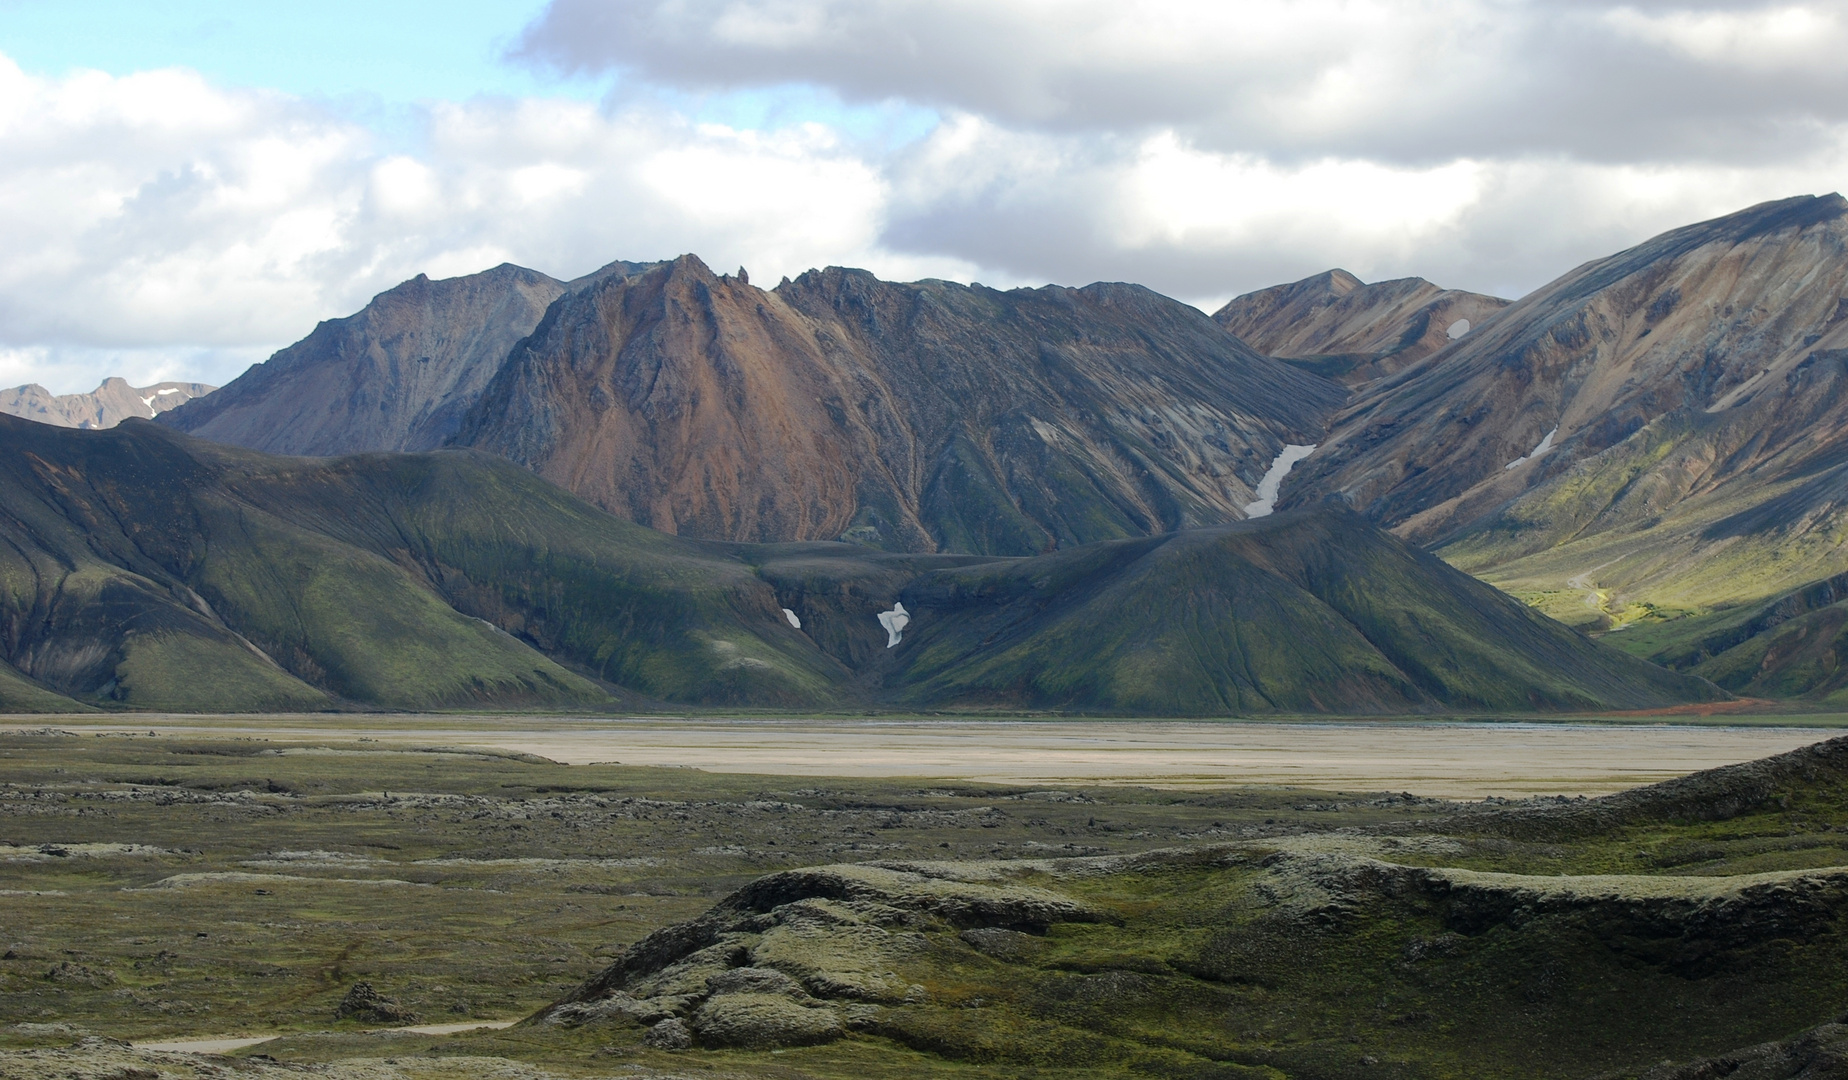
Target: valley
[654,674]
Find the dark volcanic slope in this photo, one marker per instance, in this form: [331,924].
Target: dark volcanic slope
[396,376]
[1307,611]
[1339,326]
[147,569]
[143,568]
[920,417]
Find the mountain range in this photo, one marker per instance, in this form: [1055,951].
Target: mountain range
[917,417]
[106,406]
[1646,448]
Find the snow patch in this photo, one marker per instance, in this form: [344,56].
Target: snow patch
[794,620]
[1273,479]
[1545,445]
[168,390]
[1457,329]
[894,622]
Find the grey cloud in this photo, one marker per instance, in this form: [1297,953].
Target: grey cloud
[1433,82]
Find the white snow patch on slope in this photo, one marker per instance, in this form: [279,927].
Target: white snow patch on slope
[1273,479]
[1545,445]
[894,622]
[794,620]
[1457,329]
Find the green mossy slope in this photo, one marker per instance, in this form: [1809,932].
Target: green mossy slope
[19,694]
[146,569]
[154,571]
[1310,611]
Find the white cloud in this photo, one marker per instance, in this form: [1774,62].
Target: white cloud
[155,220]
[1761,40]
[157,212]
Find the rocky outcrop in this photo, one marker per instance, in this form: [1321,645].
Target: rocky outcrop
[920,417]
[366,1004]
[1339,326]
[1821,1053]
[803,956]
[399,375]
[104,407]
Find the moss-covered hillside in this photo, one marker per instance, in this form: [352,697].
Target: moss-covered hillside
[146,569]
[1572,939]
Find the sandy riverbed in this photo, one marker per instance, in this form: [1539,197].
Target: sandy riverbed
[1458,760]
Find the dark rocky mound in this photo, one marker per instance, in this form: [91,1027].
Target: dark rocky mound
[365,1004]
[1709,795]
[799,957]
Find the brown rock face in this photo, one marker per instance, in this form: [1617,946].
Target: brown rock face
[1338,326]
[399,375]
[1707,354]
[920,416]
[104,407]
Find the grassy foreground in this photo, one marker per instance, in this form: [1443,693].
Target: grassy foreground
[167,887]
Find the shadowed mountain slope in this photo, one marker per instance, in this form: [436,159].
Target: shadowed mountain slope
[1338,326]
[104,407]
[917,417]
[150,570]
[398,375]
[146,569]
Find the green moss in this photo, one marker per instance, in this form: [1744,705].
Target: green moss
[188,672]
[19,694]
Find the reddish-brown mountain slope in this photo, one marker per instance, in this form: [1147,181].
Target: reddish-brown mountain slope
[917,416]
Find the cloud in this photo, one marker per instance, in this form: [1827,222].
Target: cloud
[1203,224]
[149,217]
[1404,80]
[161,224]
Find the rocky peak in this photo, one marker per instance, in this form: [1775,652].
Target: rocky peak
[396,376]
[916,416]
[1341,327]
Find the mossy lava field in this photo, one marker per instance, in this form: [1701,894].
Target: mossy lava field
[668,922]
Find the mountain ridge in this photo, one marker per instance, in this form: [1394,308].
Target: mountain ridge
[106,406]
[922,416]
[1338,326]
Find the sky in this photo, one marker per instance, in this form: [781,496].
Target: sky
[187,186]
